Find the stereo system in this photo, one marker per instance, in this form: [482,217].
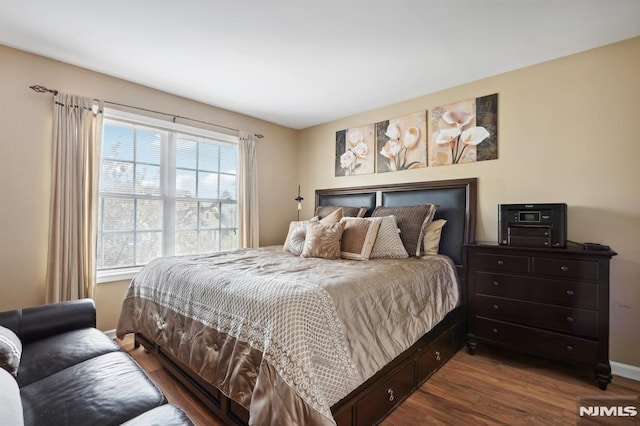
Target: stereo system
[532,225]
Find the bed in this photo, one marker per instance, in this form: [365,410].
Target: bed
[311,341]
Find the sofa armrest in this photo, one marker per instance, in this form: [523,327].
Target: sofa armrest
[35,323]
[10,402]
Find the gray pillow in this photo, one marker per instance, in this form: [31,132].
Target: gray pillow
[412,222]
[324,211]
[10,351]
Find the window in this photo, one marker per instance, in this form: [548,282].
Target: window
[165,189]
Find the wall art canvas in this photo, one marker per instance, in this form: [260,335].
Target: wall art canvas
[401,143]
[464,132]
[355,151]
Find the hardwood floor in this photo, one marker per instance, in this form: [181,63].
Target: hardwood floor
[492,387]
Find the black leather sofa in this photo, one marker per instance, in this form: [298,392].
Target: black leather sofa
[70,373]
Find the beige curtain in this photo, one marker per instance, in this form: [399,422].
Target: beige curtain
[248,191]
[77,130]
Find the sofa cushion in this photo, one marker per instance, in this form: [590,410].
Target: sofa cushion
[55,353]
[165,415]
[107,390]
[10,404]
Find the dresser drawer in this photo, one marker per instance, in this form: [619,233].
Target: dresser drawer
[434,356]
[565,293]
[536,341]
[579,322]
[502,263]
[386,395]
[566,268]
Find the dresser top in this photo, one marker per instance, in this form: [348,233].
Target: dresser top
[572,249]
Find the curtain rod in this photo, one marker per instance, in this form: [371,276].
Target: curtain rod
[41,89]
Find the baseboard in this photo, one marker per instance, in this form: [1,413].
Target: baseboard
[111,333]
[625,370]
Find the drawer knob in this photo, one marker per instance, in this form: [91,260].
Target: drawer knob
[495,307]
[570,319]
[496,283]
[564,268]
[569,347]
[437,355]
[391,395]
[495,331]
[500,262]
[570,292]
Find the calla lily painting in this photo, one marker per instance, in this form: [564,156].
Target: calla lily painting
[464,132]
[354,151]
[401,143]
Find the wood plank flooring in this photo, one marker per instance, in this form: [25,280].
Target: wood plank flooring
[492,387]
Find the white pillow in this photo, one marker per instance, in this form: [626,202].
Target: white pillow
[432,236]
[296,239]
[293,227]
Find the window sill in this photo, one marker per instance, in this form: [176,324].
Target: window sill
[103,277]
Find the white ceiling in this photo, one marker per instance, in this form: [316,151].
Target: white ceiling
[304,62]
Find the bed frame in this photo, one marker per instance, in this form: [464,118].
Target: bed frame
[382,393]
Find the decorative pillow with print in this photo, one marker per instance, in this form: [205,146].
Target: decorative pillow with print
[323,240]
[298,231]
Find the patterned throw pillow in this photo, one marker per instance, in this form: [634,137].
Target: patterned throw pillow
[412,222]
[323,240]
[298,231]
[358,237]
[432,236]
[10,350]
[388,244]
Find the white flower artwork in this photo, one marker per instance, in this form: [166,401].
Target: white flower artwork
[354,151]
[401,143]
[464,132]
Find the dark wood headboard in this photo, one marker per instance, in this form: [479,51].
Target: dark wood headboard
[456,200]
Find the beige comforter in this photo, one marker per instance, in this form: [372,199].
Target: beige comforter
[287,337]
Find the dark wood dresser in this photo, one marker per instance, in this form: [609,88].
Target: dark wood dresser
[550,302]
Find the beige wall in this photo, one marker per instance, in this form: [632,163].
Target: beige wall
[568,132]
[25,157]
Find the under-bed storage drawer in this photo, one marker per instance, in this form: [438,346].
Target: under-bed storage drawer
[386,395]
[434,356]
